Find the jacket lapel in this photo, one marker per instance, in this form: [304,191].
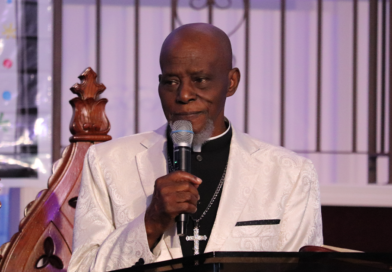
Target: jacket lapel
[151,165]
[242,171]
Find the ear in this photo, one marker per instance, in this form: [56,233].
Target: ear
[234,78]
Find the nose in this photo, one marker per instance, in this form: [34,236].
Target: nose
[185,93]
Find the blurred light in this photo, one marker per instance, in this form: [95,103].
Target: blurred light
[38,126]
[1,46]
[49,78]
[36,165]
[7,95]
[7,63]
[23,140]
[4,124]
[6,160]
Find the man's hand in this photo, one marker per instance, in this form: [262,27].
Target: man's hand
[174,193]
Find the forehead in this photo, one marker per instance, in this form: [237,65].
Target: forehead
[184,53]
[194,53]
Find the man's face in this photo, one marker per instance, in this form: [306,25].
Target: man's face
[194,85]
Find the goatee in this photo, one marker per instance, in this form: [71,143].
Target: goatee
[200,138]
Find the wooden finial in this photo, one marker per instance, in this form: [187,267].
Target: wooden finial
[89,88]
[89,121]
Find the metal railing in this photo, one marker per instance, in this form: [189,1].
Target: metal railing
[375,75]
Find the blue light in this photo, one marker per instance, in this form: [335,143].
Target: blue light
[6,95]
[9,1]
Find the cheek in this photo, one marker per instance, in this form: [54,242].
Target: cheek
[215,102]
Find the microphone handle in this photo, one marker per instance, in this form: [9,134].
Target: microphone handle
[182,161]
[182,158]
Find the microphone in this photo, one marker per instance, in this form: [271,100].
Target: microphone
[182,136]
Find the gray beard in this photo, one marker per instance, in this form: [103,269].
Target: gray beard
[200,138]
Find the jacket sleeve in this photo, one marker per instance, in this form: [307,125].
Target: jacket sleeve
[99,245]
[302,224]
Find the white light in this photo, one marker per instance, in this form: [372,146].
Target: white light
[6,160]
[38,126]
[23,140]
[49,78]
[37,165]
[1,46]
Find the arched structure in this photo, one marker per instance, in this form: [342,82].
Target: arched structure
[44,240]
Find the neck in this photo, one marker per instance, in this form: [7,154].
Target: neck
[219,128]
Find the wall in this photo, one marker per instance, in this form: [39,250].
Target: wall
[339,169]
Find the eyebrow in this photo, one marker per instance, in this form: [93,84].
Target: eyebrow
[168,75]
[200,72]
[194,73]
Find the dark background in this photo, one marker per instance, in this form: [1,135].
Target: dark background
[366,229]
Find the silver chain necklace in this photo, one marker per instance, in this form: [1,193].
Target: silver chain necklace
[196,237]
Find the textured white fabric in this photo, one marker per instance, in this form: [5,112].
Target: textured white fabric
[262,182]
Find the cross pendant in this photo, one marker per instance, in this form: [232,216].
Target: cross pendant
[196,238]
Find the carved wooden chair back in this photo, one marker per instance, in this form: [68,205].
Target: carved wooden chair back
[44,240]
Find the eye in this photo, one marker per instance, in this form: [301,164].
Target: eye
[169,82]
[200,80]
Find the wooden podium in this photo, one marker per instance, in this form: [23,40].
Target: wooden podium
[273,261]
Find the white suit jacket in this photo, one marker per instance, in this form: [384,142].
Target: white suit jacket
[263,182]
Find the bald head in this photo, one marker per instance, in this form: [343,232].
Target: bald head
[206,37]
[197,76]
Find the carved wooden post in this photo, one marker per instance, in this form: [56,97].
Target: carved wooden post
[89,121]
[44,240]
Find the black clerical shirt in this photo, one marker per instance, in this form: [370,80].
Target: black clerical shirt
[208,165]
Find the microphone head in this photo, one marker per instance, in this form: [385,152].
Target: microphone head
[182,133]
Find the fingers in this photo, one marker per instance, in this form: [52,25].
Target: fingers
[187,197]
[180,192]
[181,181]
[180,186]
[180,176]
[180,207]
[177,193]
[173,194]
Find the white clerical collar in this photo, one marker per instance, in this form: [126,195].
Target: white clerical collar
[197,148]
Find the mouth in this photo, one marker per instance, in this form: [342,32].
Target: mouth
[186,115]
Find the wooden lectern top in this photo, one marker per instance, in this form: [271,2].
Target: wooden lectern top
[273,261]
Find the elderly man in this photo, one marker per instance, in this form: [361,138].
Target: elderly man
[242,194]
